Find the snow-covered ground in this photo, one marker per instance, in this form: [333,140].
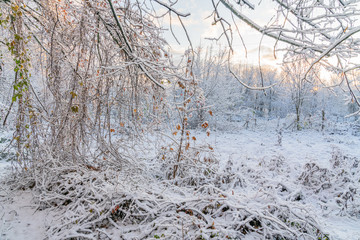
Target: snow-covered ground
[297,148]
[20,218]
[246,149]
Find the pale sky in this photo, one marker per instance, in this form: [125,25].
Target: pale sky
[200,28]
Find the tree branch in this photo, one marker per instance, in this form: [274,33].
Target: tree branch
[264,31]
[172,9]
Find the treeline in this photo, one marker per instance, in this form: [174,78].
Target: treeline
[290,93]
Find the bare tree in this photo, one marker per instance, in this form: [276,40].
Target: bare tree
[100,58]
[299,86]
[324,31]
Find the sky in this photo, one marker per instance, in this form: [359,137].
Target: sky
[200,27]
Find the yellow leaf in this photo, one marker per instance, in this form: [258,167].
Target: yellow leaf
[75,109]
[73,94]
[15,8]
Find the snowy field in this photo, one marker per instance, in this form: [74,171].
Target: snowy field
[316,170]
[298,149]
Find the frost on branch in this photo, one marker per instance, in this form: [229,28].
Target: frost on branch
[100,89]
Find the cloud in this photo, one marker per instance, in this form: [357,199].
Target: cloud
[263,49]
[211,32]
[188,21]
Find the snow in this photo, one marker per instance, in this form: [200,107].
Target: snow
[5,168]
[247,149]
[342,228]
[297,148]
[20,218]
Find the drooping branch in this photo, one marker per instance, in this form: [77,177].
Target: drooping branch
[130,49]
[280,36]
[332,47]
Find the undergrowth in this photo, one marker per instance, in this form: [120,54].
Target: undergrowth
[205,202]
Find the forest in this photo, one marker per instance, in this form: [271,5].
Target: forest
[116,123]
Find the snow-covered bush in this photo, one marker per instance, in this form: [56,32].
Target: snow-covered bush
[336,187]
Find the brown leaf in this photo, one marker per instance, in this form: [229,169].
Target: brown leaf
[204,125]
